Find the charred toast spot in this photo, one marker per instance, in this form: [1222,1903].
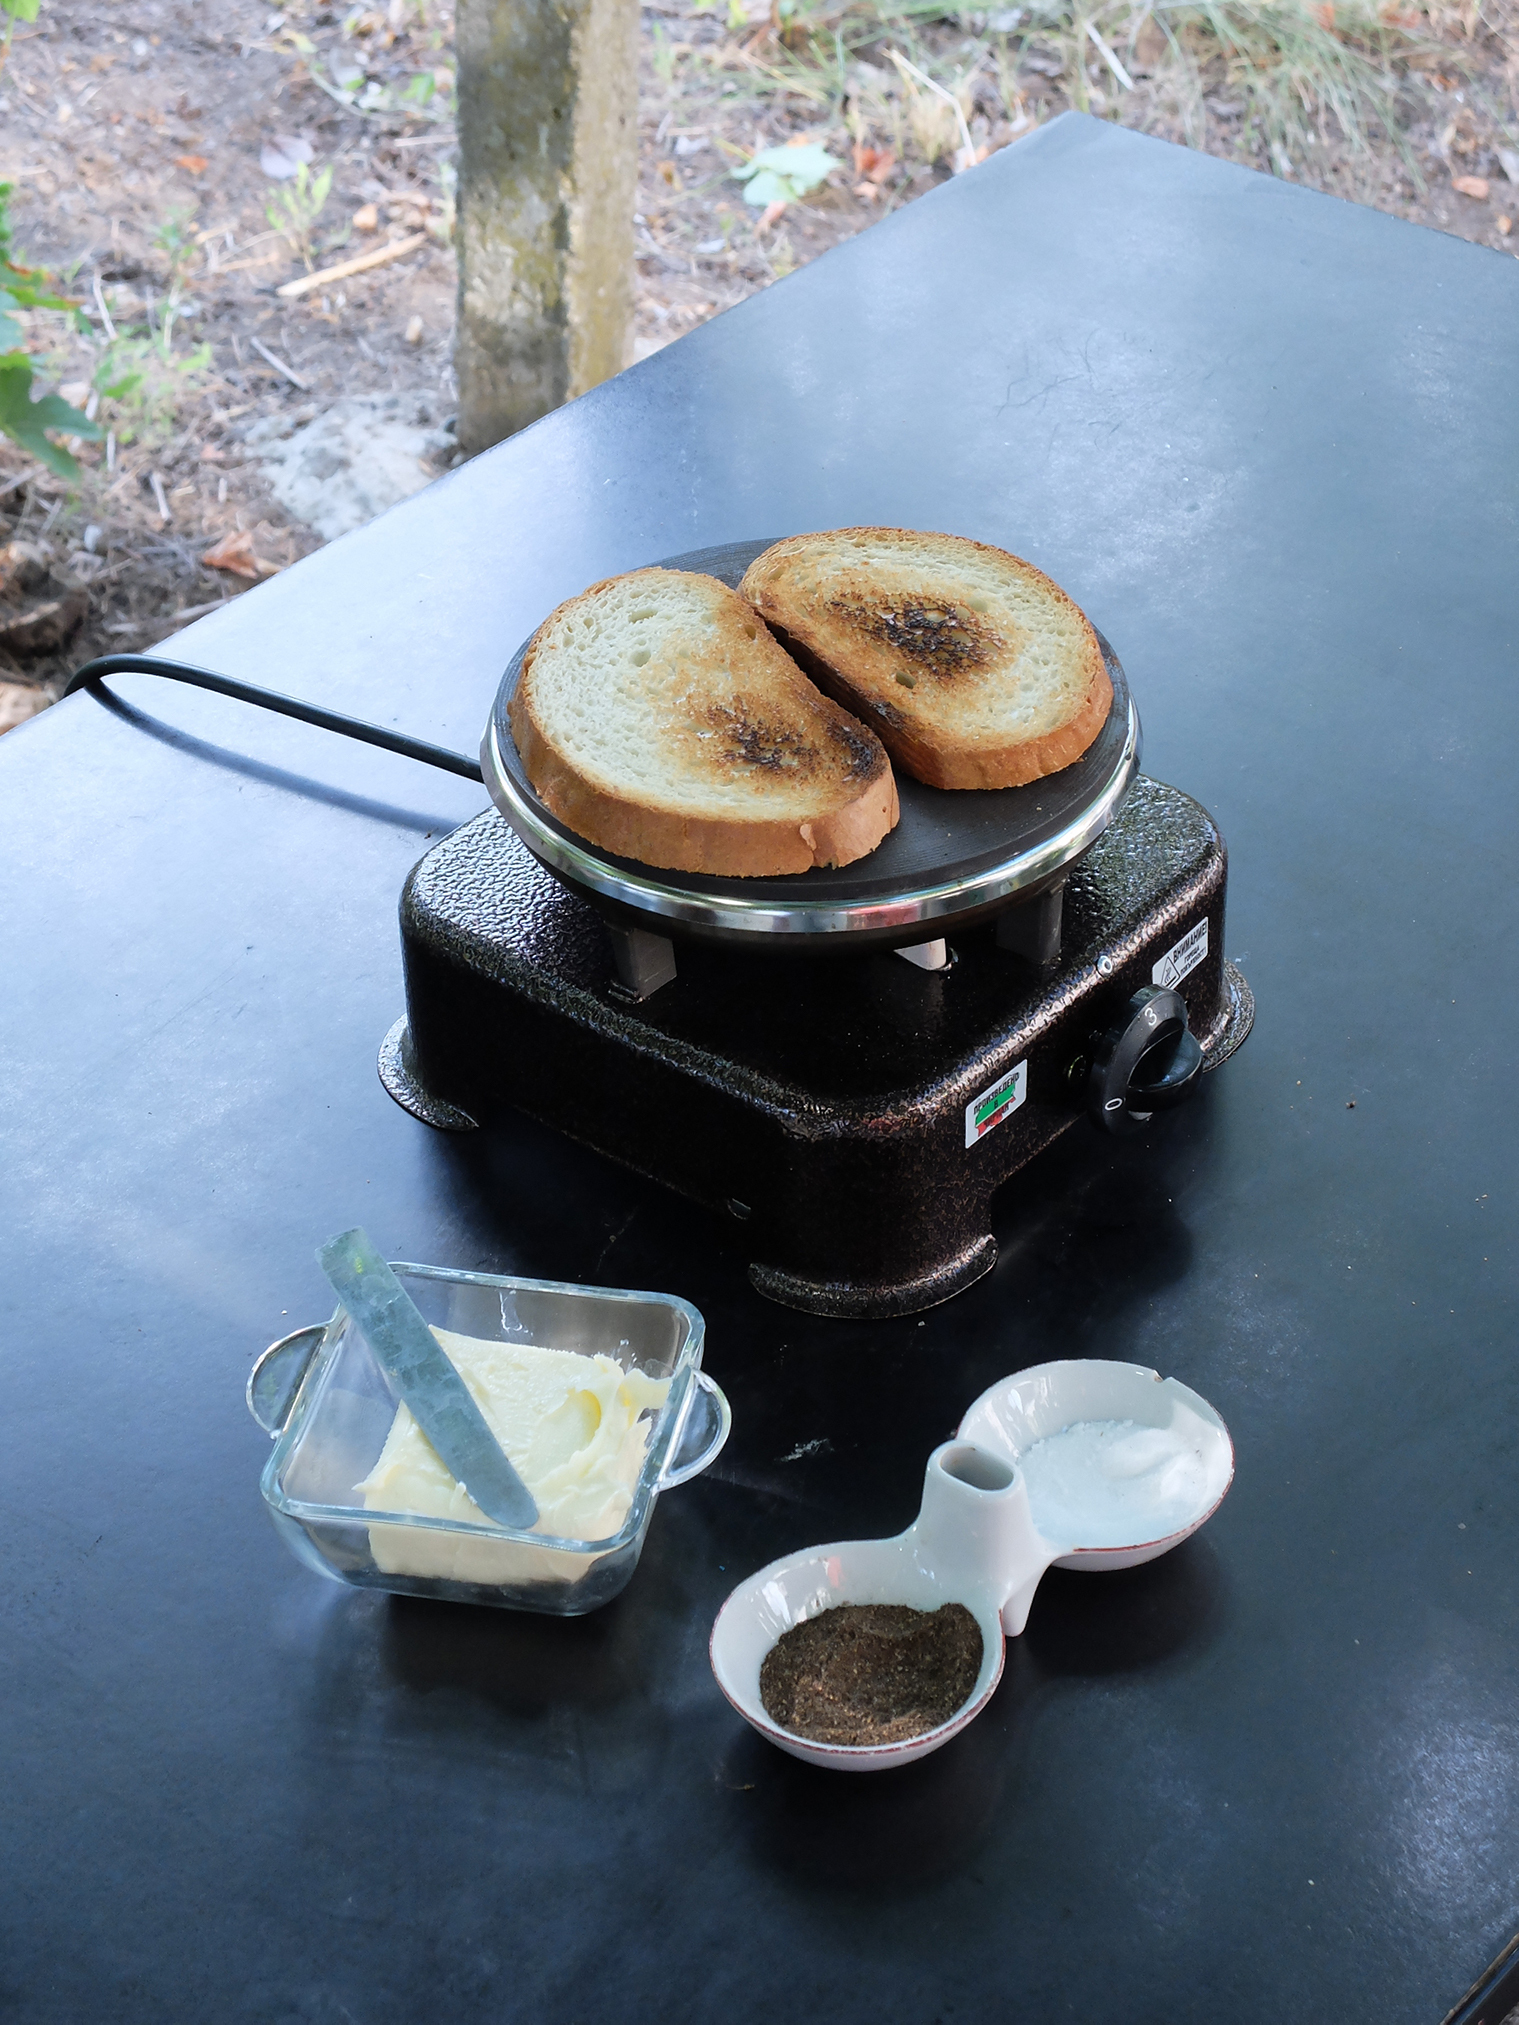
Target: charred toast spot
[863,754]
[941,640]
[746,739]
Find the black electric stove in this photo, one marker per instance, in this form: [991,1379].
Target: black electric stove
[850,1062]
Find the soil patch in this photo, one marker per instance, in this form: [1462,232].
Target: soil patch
[166,162]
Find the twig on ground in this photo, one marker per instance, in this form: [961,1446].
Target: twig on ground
[360,264]
[105,315]
[269,259]
[158,493]
[1109,58]
[279,365]
[20,478]
[967,155]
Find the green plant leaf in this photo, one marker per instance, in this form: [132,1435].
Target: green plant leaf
[767,188]
[20,10]
[784,174]
[25,421]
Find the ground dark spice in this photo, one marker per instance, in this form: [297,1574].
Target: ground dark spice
[871,1673]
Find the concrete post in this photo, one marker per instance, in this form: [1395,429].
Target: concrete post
[548,148]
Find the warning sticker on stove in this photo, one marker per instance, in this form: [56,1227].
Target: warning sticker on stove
[1182,958]
[992,1106]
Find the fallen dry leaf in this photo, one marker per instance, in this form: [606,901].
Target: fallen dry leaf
[868,191]
[41,628]
[1471,186]
[1150,45]
[235,554]
[875,163]
[18,702]
[1505,226]
[196,164]
[770,214]
[367,218]
[23,568]
[1324,14]
[282,155]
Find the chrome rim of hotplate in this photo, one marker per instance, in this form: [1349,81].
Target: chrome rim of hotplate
[901,911]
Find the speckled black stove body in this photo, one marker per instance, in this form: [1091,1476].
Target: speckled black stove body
[819,1101]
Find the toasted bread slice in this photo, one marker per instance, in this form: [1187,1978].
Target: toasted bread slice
[656,717]
[976,669]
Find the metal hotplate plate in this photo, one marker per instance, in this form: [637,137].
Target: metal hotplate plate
[955,856]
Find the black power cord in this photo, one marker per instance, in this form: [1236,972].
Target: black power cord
[287,706]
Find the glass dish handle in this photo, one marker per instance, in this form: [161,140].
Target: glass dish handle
[703,1430]
[276,1378]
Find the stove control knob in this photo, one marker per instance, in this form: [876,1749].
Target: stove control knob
[1147,1063]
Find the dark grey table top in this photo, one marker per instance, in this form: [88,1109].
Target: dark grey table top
[1268,441]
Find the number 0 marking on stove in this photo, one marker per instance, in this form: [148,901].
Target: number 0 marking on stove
[985,1113]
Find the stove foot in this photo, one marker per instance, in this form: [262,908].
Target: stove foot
[933,956]
[876,1301]
[1032,929]
[644,962]
[1235,1020]
[399,1075]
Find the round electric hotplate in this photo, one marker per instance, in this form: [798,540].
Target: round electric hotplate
[954,857]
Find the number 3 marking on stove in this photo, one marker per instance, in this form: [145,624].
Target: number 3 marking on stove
[1150,1015]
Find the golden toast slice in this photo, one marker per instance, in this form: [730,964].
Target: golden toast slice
[976,670]
[656,716]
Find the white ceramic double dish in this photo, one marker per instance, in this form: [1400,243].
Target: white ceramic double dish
[1122,1463]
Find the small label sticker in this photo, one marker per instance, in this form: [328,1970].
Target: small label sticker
[988,1110]
[1182,958]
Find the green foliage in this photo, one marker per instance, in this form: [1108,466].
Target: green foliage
[782,175]
[21,287]
[146,383]
[1306,72]
[13,11]
[1293,63]
[293,208]
[175,240]
[24,420]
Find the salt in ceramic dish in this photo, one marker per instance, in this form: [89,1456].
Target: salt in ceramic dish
[1121,1464]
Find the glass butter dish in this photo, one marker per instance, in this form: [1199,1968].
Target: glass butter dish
[341,1438]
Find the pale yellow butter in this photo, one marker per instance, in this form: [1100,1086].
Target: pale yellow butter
[572,1428]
